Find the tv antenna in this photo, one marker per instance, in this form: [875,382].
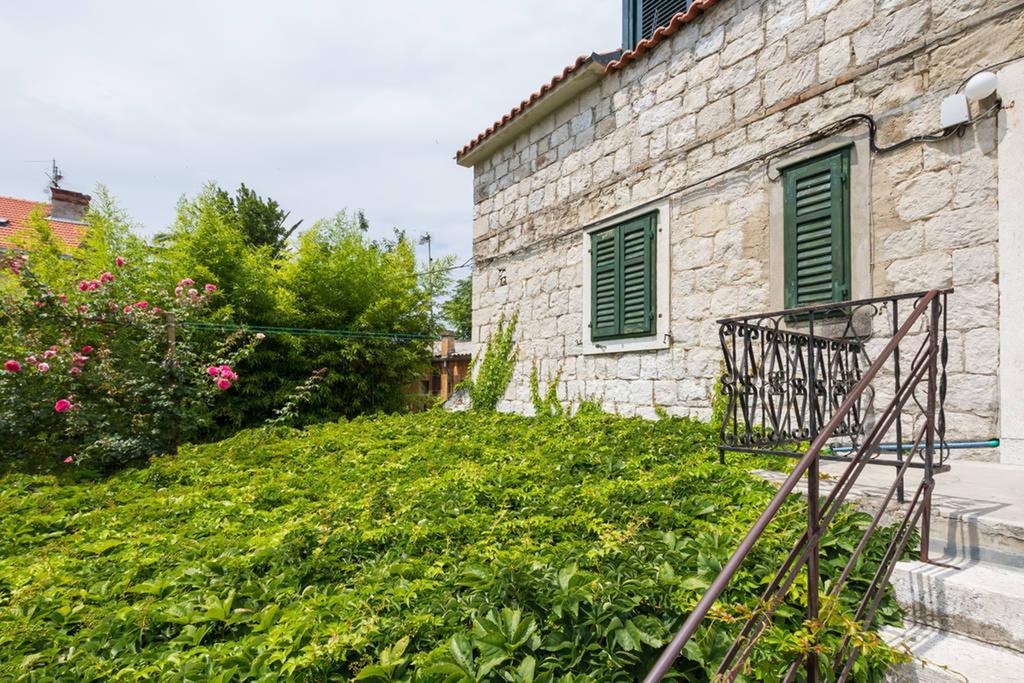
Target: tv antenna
[55,174]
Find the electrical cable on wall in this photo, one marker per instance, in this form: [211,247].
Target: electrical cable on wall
[822,133]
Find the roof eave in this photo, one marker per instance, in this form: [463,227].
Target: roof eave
[580,80]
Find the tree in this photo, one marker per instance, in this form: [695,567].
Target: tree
[339,279]
[262,221]
[458,310]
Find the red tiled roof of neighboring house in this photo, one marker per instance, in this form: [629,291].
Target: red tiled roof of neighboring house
[644,46]
[15,211]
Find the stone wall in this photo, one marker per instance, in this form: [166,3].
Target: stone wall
[744,79]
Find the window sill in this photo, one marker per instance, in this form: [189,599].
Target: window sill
[591,348]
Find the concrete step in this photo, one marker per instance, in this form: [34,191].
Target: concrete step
[983,602]
[944,657]
[977,507]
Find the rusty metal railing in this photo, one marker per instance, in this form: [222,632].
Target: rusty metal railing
[766,414]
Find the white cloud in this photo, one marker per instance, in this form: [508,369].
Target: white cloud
[321,105]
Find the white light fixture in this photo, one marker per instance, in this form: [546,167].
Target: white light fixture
[955,110]
[981,85]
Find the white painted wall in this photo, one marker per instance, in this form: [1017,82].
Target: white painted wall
[1011,263]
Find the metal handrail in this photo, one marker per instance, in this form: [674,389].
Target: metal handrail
[925,363]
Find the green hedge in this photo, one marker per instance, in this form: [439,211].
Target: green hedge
[430,547]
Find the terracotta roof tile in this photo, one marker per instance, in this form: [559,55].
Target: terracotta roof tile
[522,106]
[644,46]
[16,212]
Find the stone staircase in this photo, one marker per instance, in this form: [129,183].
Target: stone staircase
[964,617]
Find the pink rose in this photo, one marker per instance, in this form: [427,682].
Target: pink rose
[128,308]
[43,367]
[69,459]
[86,349]
[142,304]
[94,284]
[76,371]
[193,293]
[210,287]
[12,366]
[49,353]
[62,406]
[83,286]
[119,261]
[212,371]
[223,383]
[156,310]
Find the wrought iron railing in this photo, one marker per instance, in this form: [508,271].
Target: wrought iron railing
[809,375]
[787,373]
[768,372]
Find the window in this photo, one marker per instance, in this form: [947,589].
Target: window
[622,279]
[816,197]
[641,18]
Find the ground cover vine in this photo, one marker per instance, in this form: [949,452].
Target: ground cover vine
[427,547]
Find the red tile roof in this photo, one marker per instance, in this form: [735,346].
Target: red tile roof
[16,212]
[644,46]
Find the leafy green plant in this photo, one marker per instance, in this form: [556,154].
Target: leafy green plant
[547,405]
[430,547]
[333,277]
[305,393]
[95,375]
[496,364]
[458,308]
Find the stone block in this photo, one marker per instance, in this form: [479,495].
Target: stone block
[710,43]
[788,19]
[975,264]
[897,30]
[659,115]
[847,17]
[790,79]
[816,8]
[714,117]
[981,350]
[976,394]
[834,58]
[962,228]
[744,46]
[925,195]
[928,271]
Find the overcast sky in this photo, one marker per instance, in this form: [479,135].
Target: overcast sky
[320,105]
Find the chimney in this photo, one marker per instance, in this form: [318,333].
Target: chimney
[447,344]
[66,205]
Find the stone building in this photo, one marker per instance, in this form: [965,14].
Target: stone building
[677,157]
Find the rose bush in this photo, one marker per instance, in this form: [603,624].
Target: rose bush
[101,374]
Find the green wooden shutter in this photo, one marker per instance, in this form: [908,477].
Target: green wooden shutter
[817,231]
[623,280]
[604,286]
[637,246]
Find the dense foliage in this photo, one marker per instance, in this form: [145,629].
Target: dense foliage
[96,373]
[458,308]
[368,294]
[431,547]
[493,367]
